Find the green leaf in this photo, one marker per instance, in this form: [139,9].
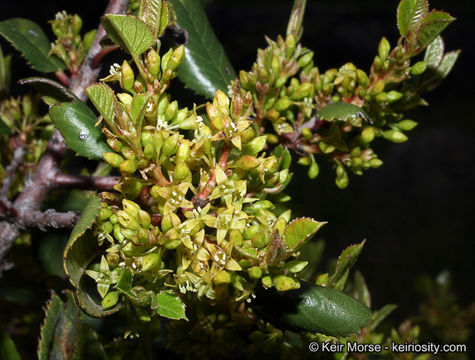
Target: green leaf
[442,71]
[103,98]
[170,306]
[342,111]
[432,25]
[28,38]
[156,14]
[50,88]
[79,253]
[382,314]
[346,261]
[130,33]
[206,67]
[410,14]
[434,52]
[299,231]
[5,71]
[361,291]
[65,334]
[311,308]
[125,282]
[8,349]
[76,122]
[4,128]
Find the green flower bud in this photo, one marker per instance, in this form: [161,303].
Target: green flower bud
[313,170]
[127,221]
[259,240]
[281,80]
[113,219]
[272,139]
[378,87]
[128,167]
[302,91]
[118,234]
[393,96]
[149,151]
[305,59]
[125,99]
[406,125]
[130,207]
[275,66]
[169,221]
[375,163]
[255,272]
[26,105]
[384,48]
[183,152]
[368,134]
[285,283]
[304,161]
[181,171]
[150,262]
[223,277]
[172,244]
[110,300]
[143,236]
[126,76]
[362,78]
[106,227]
[272,115]
[144,218]
[105,213]
[113,159]
[88,39]
[341,179]
[170,146]
[290,45]
[247,162]
[171,111]
[259,205]
[250,232]
[112,259]
[395,136]
[418,68]
[176,58]
[267,282]
[381,98]
[255,145]
[162,104]
[307,133]
[114,144]
[282,104]
[322,279]
[153,62]
[237,281]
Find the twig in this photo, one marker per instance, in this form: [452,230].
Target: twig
[11,169]
[102,183]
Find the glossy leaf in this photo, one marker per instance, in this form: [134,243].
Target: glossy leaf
[409,15]
[155,14]
[432,25]
[76,122]
[8,349]
[103,98]
[80,251]
[170,306]
[28,38]
[130,33]
[311,308]
[50,88]
[206,67]
[346,261]
[65,330]
[342,111]
[300,231]
[434,52]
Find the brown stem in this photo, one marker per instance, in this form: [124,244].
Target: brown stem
[96,62]
[102,183]
[11,169]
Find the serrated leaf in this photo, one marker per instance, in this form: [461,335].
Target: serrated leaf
[434,52]
[346,261]
[8,349]
[129,32]
[50,88]
[170,306]
[443,70]
[410,14]
[76,122]
[432,25]
[206,67]
[382,314]
[28,38]
[64,334]
[299,231]
[361,289]
[342,111]
[151,13]
[311,308]
[103,98]
[79,253]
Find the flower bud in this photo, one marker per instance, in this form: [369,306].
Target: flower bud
[118,234]
[406,125]
[223,277]
[88,39]
[275,66]
[176,58]
[105,213]
[313,170]
[285,283]
[393,96]
[304,161]
[259,240]
[113,159]
[375,163]
[149,151]
[282,104]
[165,59]
[322,279]
[128,167]
[169,221]
[378,87]
[130,207]
[267,282]
[110,300]
[305,59]
[181,172]
[395,136]
[162,104]
[170,146]
[221,102]
[302,91]
[171,111]
[153,62]
[250,232]
[290,45]
[418,68]
[255,272]
[381,98]
[128,221]
[235,237]
[255,145]
[150,262]
[183,152]
[144,218]
[125,99]
[341,179]
[247,162]
[384,48]
[306,133]
[126,76]
[362,78]
[368,134]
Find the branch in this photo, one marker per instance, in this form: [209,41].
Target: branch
[25,211]
[102,183]
[11,169]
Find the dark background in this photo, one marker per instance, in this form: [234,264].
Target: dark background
[416,211]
